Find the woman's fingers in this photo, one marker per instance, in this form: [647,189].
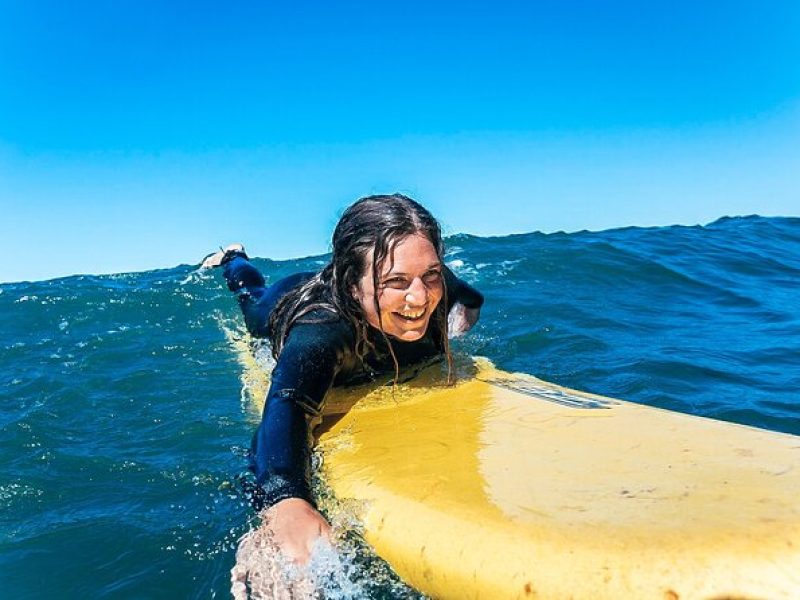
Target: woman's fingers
[290,530]
[297,526]
[261,571]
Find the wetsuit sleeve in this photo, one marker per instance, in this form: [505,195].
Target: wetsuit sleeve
[246,281]
[281,449]
[460,291]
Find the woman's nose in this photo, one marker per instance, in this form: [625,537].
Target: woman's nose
[417,292]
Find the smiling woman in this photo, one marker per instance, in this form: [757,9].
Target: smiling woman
[409,289]
[382,303]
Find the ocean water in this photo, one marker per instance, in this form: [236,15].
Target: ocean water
[123,424]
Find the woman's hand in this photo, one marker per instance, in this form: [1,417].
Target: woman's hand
[295,526]
[461,319]
[215,259]
[290,528]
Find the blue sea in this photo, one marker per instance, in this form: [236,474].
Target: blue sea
[124,427]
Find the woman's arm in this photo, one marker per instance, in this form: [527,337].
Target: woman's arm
[281,448]
[305,370]
[247,282]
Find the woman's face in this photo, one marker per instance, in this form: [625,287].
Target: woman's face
[409,289]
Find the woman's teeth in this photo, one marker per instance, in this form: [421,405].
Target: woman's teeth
[411,315]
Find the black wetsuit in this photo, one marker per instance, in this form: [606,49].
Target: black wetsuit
[319,353]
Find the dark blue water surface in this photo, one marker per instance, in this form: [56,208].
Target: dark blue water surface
[122,428]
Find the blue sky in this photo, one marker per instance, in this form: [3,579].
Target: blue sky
[138,135]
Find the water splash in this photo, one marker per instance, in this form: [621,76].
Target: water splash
[343,569]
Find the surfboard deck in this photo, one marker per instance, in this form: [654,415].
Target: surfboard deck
[505,486]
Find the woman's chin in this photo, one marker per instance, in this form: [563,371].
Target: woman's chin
[408,332]
[410,336]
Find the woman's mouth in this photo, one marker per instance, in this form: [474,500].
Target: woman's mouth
[411,316]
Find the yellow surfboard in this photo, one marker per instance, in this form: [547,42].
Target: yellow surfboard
[506,486]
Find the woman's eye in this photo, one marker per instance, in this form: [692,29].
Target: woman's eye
[396,282]
[401,283]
